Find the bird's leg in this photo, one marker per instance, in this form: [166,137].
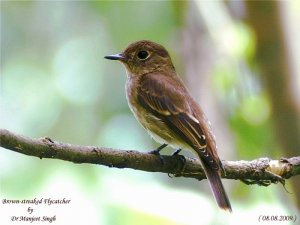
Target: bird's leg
[181,158]
[176,152]
[156,151]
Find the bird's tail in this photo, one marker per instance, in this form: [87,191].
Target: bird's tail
[216,186]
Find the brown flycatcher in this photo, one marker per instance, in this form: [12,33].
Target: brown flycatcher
[165,108]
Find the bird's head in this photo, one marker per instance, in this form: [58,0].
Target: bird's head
[144,57]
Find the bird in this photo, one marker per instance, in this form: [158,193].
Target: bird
[164,107]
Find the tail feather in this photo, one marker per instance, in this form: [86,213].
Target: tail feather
[216,186]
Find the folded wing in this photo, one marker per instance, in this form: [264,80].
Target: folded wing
[167,99]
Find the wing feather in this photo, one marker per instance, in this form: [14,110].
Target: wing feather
[157,94]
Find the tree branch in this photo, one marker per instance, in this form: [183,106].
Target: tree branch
[263,171]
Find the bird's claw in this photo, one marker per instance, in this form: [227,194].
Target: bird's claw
[182,159]
[156,152]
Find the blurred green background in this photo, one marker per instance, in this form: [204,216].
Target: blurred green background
[56,83]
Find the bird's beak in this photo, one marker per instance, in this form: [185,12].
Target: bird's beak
[118,56]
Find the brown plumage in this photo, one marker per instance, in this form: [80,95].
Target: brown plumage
[164,107]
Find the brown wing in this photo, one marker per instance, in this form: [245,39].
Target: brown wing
[167,99]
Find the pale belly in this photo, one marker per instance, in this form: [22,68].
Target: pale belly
[157,129]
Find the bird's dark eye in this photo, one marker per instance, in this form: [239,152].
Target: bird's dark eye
[142,55]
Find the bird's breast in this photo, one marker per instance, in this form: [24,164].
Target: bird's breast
[156,127]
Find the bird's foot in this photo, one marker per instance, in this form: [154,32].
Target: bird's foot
[156,152]
[176,152]
[182,160]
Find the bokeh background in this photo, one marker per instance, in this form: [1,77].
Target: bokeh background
[239,59]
